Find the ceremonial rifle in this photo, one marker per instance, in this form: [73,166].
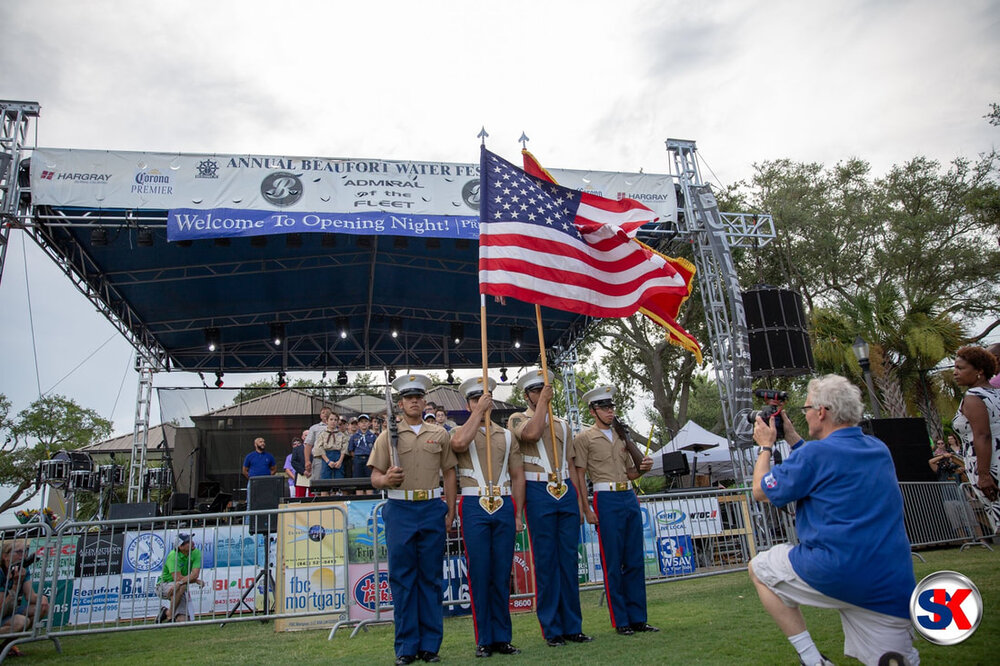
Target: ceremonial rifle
[390,421]
[630,445]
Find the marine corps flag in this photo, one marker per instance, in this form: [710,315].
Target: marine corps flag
[550,245]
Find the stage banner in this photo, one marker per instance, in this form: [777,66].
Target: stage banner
[213,196]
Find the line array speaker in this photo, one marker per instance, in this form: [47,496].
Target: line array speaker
[779,336]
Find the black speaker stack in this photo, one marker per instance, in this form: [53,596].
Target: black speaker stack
[778,330]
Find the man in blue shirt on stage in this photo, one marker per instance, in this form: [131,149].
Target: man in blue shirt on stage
[853,554]
[258,462]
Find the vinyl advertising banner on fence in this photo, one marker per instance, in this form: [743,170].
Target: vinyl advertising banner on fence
[312,572]
[61,559]
[212,196]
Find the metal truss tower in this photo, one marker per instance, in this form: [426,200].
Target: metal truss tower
[15,119]
[713,235]
[140,431]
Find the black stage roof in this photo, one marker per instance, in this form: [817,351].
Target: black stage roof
[164,296]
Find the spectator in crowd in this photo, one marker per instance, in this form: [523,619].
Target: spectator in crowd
[181,568]
[441,416]
[290,473]
[995,350]
[18,601]
[330,451]
[978,424]
[360,447]
[429,417]
[258,462]
[301,467]
[315,429]
[853,554]
[946,464]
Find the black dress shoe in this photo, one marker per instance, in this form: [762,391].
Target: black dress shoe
[642,626]
[428,656]
[578,638]
[505,648]
[405,659]
[555,641]
[483,651]
[624,631]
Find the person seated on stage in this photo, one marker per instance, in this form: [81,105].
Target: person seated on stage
[181,568]
[18,600]
[853,554]
[258,462]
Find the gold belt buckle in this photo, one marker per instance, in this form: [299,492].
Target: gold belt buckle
[554,478]
[421,495]
[621,486]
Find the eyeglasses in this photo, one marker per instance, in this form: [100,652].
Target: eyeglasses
[806,408]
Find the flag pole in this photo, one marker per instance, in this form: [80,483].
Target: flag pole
[486,386]
[557,481]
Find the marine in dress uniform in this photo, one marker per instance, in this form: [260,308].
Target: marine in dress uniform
[552,509]
[489,519]
[416,520]
[601,453]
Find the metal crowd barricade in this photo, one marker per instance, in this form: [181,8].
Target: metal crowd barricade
[37,557]
[288,564]
[940,513]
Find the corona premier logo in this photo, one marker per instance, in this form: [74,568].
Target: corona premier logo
[946,608]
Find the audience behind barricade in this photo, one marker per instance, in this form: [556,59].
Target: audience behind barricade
[18,600]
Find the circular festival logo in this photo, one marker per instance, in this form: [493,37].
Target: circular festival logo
[368,595]
[281,188]
[146,552]
[470,194]
[946,608]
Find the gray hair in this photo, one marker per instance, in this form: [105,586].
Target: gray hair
[838,395]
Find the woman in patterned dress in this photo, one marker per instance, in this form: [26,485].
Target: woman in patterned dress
[978,424]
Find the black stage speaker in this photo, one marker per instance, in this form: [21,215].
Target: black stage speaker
[908,443]
[134,511]
[779,337]
[675,463]
[264,492]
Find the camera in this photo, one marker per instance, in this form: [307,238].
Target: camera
[775,402]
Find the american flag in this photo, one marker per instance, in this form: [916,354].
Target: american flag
[543,243]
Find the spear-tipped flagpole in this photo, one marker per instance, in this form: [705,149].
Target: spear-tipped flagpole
[524,141]
[482,135]
[545,374]
[486,387]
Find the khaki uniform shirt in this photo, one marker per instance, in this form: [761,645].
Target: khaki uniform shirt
[498,446]
[604,460]
[423,457]
[516,425]
[329,441]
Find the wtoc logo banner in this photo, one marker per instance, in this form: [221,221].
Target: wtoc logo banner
[946,608]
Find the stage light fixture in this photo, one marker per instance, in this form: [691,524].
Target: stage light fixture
[342,377]
[144,238]
[99,237]
[395,326]
[457,332]
[277,333]
[392,375]
[451,375]
[503,374]
[201,376]
[324,375]
[342,329]
[218,379]
[213,339]
[282,382]
[516,336]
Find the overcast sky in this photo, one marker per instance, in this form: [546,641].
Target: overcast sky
[596,85]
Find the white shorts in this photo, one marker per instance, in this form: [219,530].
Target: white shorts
[867,634]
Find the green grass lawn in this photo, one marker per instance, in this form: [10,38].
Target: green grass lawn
[715,620]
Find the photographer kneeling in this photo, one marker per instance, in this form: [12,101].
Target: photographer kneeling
[853,554]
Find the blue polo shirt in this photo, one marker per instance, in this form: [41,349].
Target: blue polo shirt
[361,443]
[259,464]
[849,518]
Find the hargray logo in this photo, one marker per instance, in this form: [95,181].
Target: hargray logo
[281,188]
[470,194]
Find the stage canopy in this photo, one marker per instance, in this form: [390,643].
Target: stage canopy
[331,256]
